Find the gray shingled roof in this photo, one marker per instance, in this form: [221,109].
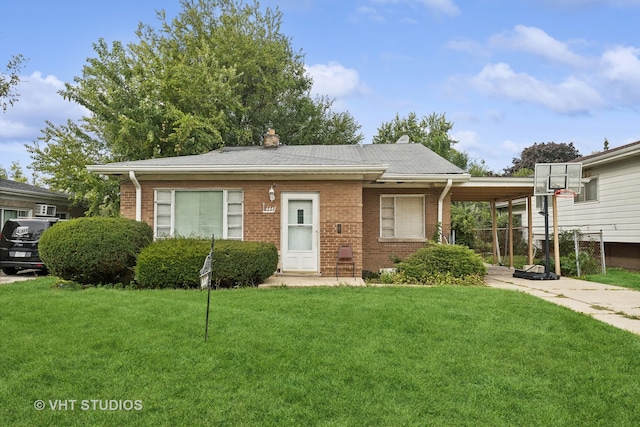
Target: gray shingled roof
[20,187]
[398,159]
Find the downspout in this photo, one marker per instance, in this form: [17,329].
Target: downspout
[440,204]
[132,176]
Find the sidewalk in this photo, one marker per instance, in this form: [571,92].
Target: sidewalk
[614,305]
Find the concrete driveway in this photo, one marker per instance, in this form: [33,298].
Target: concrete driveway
[23,275]
[614,305]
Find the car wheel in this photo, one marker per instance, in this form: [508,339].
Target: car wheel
[9,271]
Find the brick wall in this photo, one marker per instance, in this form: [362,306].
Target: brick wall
[340,203]
[378,254]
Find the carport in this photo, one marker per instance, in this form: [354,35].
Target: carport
[499,190]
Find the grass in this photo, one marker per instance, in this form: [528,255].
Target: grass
[314,356]
[617,277]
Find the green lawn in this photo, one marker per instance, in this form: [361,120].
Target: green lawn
[618,277]
[314,356]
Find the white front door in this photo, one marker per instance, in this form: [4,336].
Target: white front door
[299,239]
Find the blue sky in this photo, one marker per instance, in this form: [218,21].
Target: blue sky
[507,73]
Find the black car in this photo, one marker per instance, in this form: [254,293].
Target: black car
[19,244]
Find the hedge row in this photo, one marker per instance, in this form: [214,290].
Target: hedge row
[176,263]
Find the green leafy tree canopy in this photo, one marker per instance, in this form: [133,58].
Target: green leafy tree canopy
[549,152]
[220,73]
[9,79]
[431,131]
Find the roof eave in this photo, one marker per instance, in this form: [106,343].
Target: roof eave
[34,194]
[611,157]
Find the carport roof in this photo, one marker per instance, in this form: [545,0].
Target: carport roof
[487,189]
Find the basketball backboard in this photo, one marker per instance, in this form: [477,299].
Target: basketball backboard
[551,177]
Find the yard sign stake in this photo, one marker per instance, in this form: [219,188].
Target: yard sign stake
[205,281]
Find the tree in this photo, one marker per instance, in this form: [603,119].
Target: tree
[431,131]
[69,148]
[9,80]
[3,173]
[16,173]
[220,73]
[549,152]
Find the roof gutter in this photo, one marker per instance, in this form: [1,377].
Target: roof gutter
[132,176]
[440,206]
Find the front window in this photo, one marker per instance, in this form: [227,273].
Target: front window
[402,216]
[199,213]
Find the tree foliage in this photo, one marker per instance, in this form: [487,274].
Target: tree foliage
[61,154]
[220,73]
[9,79]
[549,152]
[16,173]
[431,131]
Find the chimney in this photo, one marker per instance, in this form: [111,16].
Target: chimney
[271,139]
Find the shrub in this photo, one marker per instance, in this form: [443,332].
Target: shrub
[568,264]
[176,263]
[451,260]
[96,250]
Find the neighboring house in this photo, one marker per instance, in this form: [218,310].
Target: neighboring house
[383,200]
[609,202]
[18,199]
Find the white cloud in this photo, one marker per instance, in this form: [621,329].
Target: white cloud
[448,7]
[536,41]
[620,73]
[38,101]
[335,80]
[570,96]
[621,65]
[467,139]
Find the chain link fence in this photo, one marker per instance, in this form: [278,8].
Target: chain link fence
[580,253]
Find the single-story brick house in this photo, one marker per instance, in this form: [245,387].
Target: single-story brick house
[383,200]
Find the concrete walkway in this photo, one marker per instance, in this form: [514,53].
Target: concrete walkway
[614,305]
[309,280]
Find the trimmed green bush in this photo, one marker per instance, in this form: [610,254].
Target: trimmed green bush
[176,263]
[95,250]
[440,259]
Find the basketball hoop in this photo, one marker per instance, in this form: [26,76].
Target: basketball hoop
[565,193]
